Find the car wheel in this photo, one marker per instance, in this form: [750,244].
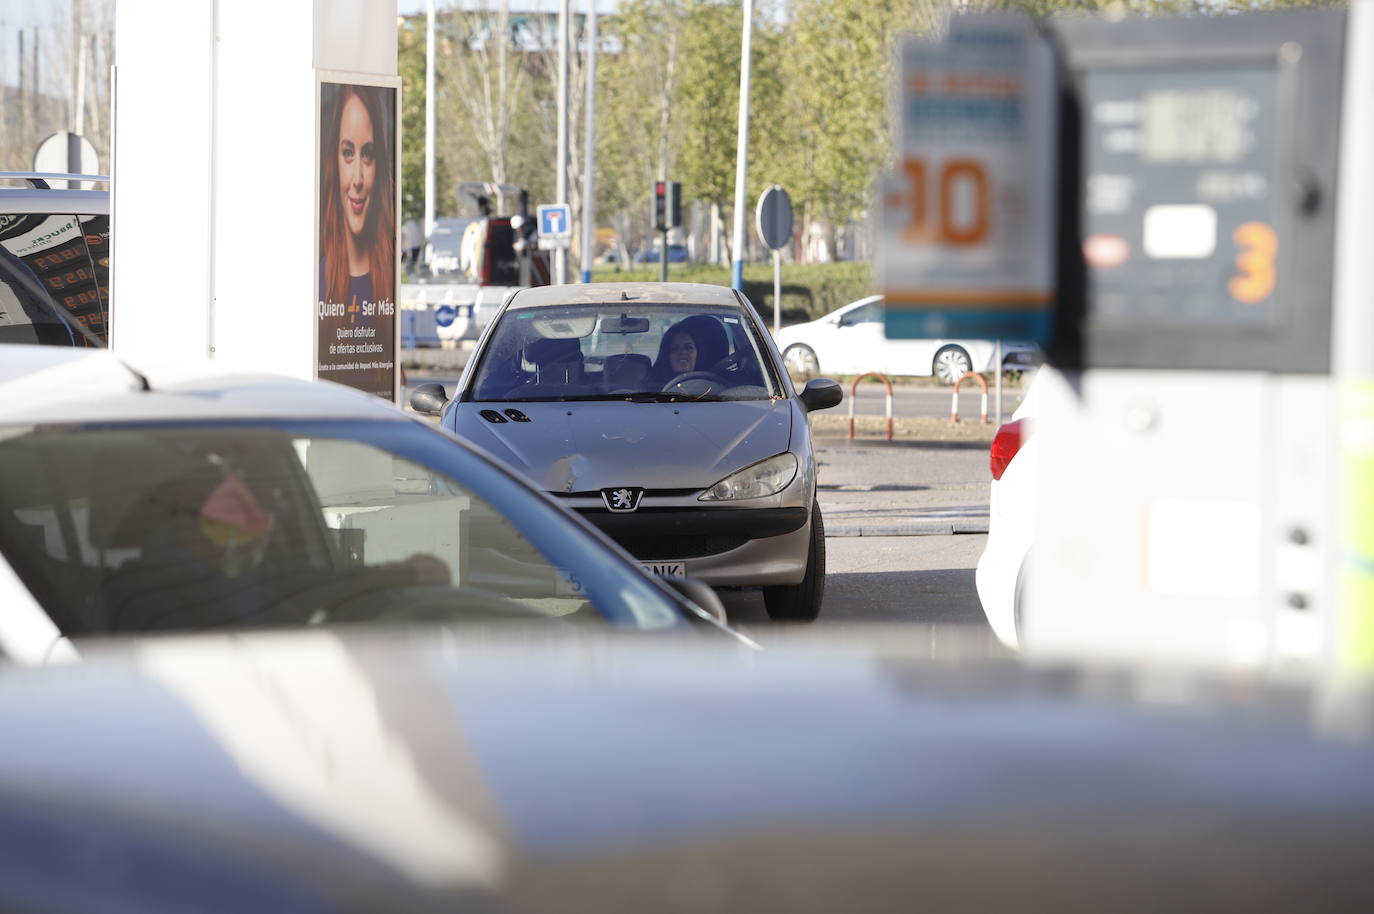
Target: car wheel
[951,364]
[801,361]
[802,602]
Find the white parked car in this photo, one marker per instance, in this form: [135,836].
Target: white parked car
[850,341]
[1014,500]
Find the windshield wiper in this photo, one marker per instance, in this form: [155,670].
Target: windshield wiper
[657,396]
[645,396]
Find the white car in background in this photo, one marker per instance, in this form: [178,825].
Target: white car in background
[1014,460]
[850,341]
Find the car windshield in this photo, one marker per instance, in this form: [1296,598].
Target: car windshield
[622,351]
[54,279]
[119,530]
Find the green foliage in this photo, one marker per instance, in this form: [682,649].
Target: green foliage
[840,70]
[411,66]
[823,75]
[709,99]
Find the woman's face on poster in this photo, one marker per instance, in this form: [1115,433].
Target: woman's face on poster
[357,163]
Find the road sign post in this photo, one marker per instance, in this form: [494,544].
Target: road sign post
[667,215]
[774,221]
[967,247]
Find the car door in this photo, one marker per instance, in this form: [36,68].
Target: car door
[857,342]
[903,356]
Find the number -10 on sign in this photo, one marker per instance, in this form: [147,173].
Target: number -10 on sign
[967,247]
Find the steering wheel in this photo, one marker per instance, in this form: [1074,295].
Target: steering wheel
[686,377]
[730,363]
[442,603]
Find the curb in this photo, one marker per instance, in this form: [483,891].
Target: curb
[928,528]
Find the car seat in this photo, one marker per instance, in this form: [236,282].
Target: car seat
[555,361]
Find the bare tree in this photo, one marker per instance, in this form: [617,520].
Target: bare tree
[44,100]
[486,69]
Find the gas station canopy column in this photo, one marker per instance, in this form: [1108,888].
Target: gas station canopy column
[226,234]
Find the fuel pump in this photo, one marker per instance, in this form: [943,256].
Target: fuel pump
[1189,452]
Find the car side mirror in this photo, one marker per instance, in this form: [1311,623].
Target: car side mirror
[429,399]
[821,393]
[699,593]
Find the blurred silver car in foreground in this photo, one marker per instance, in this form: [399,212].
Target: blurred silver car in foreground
[308,772]
[662,413]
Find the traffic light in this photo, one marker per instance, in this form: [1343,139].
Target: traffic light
[667,205]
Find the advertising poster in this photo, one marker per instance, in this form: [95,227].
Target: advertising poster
[356,304]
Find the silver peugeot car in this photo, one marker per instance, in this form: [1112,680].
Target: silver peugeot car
[663,414]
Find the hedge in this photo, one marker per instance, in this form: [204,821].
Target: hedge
[808,290]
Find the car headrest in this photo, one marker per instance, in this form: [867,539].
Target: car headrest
[548,351]
[626,370]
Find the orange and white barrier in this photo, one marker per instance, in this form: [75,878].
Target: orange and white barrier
[954,397]
[853,388]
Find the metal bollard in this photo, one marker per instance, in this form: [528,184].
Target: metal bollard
[954,397]
[853,388]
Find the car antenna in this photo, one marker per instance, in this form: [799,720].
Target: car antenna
[143,385]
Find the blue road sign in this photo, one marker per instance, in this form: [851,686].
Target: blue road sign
[555,223]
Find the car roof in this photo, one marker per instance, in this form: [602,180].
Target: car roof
[583,775]
[857,303]
[18,195]
[50,384]
[687,293]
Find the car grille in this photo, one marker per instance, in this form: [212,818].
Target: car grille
[647,548]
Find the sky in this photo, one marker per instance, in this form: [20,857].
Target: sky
[17,15]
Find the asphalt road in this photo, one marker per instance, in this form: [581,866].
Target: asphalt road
[919,584]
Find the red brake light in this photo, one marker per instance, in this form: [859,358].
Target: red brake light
[1004,447]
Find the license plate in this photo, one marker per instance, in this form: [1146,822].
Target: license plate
[665,568]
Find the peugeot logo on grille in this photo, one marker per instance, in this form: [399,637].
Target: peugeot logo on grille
[623,499]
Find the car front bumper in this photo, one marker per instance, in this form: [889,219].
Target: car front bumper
[720,546]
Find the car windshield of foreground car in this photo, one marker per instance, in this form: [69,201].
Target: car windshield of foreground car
[156,528]
[623,351]
[55,295]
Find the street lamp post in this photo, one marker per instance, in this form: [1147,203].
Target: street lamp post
[742,149]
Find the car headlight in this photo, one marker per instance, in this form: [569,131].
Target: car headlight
[767,477]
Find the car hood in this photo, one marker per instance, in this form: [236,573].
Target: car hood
[583,447]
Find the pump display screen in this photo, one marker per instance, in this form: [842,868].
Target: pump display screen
[1179,214]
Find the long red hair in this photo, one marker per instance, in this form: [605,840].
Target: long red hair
[379,231]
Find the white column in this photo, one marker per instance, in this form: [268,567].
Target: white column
[215,167]
[589,150]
